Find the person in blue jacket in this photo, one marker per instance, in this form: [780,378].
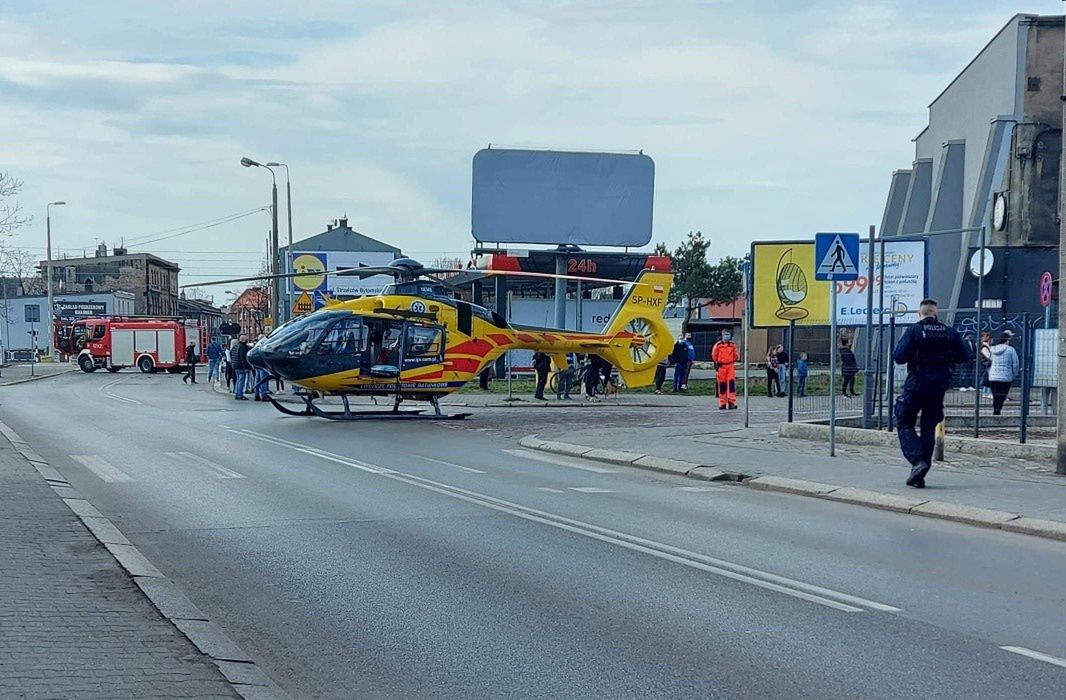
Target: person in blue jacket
[929,348]
[214,360]
[691,358]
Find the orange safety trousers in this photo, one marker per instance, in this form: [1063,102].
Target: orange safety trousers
[726,377]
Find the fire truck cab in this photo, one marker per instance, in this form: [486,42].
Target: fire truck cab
[148,344]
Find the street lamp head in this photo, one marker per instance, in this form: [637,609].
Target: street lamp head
[273,164]
[56,204]
[248,162]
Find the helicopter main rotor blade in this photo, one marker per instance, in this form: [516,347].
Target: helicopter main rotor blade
[285,275]
[549,275]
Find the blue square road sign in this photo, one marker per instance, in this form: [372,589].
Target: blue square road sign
[836,256]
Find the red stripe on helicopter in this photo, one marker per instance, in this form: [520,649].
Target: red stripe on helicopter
[463,364]
[527,338]
[477,347]
[500,339]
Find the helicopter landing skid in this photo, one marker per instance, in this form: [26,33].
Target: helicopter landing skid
[310,409]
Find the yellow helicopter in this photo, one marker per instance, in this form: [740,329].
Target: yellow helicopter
[416,342]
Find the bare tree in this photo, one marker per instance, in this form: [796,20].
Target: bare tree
[11,216]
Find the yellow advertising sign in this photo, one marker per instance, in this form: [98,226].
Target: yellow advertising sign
[783,287]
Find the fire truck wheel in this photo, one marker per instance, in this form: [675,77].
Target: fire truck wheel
[86,364]
[146,365]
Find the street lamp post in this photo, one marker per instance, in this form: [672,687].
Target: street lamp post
[50,313]
[275,285]
[288,255]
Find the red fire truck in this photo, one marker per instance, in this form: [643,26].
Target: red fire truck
[146,343]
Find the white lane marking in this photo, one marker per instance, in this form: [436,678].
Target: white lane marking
[106,389]
[102,468]
[561,461]
[468,470]
[590,489]
[549,489]
[214,468]
[762,579]
[1054,661]
[700,489]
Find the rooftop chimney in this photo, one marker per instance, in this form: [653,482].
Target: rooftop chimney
[342,222]
[101,250]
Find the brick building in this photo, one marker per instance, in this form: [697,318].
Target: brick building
[152,280]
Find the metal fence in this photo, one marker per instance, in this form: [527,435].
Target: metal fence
[1026,414]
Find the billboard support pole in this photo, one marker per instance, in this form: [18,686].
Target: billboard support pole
[868,369]
[832,368]
[560,289]
[747,334]
[578,322]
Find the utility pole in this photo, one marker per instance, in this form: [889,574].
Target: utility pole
[1060,462]
[50,311]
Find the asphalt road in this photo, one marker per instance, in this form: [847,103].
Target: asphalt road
[439,560]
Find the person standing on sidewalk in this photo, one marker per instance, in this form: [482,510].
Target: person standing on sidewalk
[849,367]
[1002,370]
[690,346]
[724,354]
[190,360]
[214,360]
[771,373]
[541,365]
[929,349]
[680,358]
[802,370]
[782,370]
[239,356]
[566,376]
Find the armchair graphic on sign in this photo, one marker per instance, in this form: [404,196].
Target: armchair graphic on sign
[791,289]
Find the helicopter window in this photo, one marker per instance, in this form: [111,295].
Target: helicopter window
[423,342]
[346,337]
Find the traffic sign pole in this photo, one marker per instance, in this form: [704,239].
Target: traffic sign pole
[832,369]
[833,251]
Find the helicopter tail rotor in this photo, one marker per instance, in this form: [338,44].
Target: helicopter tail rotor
[641,338]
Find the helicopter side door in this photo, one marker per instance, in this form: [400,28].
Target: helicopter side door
[342,346]
[423,344]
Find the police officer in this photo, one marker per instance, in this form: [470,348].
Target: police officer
[929,349]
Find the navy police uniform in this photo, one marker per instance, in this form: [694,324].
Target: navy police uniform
[929,349]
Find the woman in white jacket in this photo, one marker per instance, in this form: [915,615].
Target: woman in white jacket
[1002,370]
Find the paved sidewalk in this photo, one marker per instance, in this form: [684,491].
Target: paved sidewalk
[1012,485]
[16,374]
[72,622]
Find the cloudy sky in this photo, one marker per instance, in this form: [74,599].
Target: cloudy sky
[765,119]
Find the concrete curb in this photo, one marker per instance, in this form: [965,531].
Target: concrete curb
[704,472]
[980,447]
[909,505]
[244,676]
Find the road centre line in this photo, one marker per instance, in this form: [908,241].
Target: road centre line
[797,589]
[102,468]
[590,489]
[561,461]
[1054,661]
[215,469]
[468,470]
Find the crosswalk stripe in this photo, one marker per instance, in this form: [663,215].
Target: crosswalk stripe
[102,468]
[590,489]
[216,469]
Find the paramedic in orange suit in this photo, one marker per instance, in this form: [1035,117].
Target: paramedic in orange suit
[725,357]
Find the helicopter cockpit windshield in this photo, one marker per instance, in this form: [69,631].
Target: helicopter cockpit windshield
[300,335]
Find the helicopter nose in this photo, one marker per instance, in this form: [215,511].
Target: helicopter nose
[256,358]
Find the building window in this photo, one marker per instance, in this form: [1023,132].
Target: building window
[33,313]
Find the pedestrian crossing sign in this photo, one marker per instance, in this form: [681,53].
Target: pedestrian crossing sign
[304,304]
[836,256]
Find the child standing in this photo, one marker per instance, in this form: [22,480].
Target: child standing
[801,374]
